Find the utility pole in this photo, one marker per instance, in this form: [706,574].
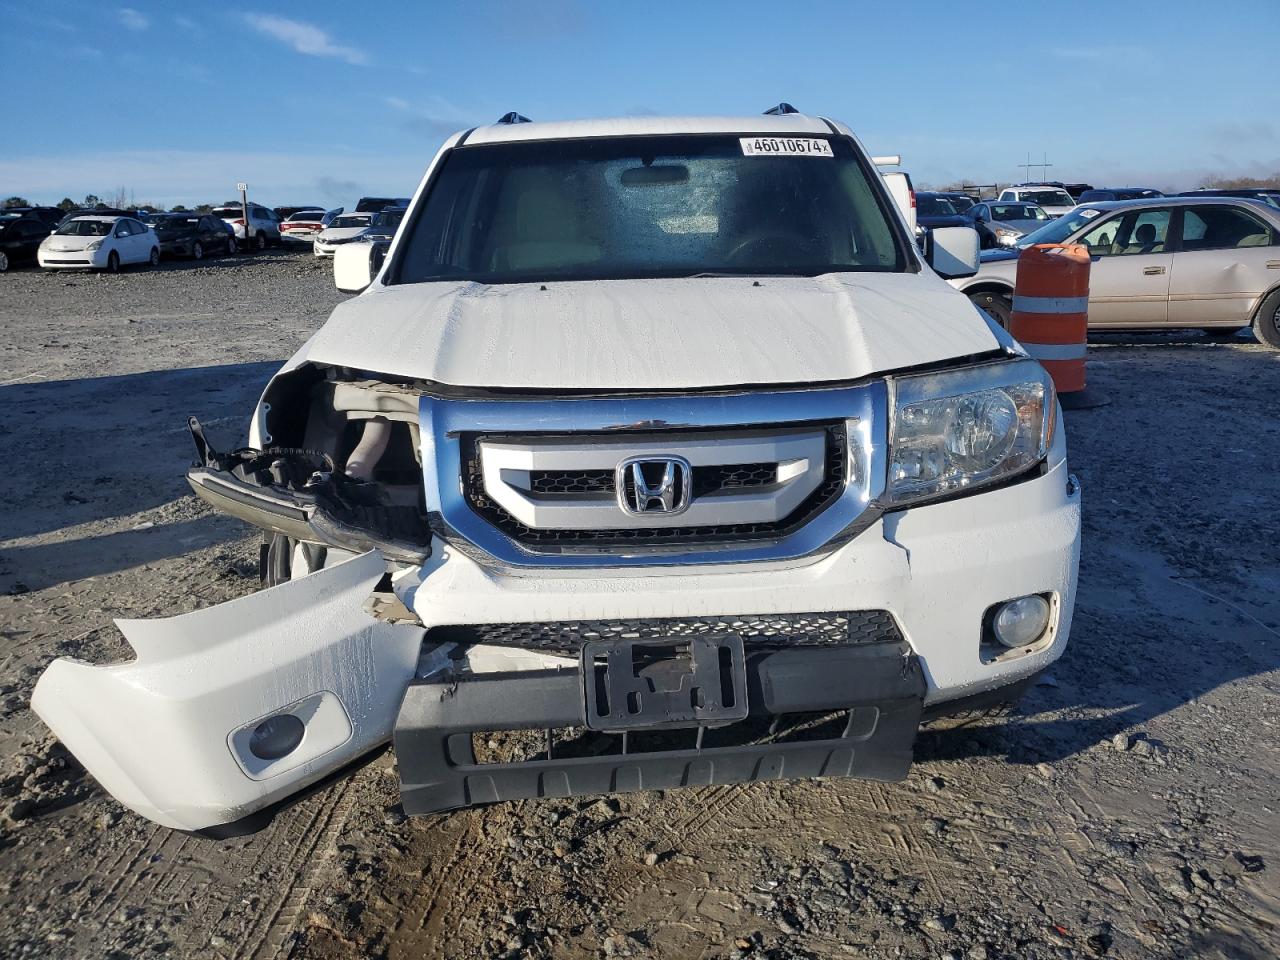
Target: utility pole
[1029,166]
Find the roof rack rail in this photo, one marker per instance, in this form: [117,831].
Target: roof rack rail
[781,110]
[514,117]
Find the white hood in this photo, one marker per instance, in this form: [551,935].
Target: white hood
[659,334]
[66,242]
[342,233]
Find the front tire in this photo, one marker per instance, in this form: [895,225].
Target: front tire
[999,305]
[4,262]
[154,259]
[231,246]
[113,262]
[1266,325]
[261,242]
[197,251]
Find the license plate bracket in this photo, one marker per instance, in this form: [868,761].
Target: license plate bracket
[663,682]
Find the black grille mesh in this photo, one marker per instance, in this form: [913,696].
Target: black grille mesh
[765,630]
[739,474]
[705,479]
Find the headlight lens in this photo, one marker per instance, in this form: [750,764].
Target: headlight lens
[969,428]
[95,245]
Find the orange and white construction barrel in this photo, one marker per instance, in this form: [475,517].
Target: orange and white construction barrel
[1051,310]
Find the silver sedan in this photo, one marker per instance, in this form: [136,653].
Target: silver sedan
[1210,262]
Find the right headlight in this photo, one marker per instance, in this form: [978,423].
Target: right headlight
[95,245]
[958,430]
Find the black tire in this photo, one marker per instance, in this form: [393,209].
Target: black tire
[154,261]
[261,242]
[197,251]
[999,305]
[231,246]
[113,262]
[1266,322]
[4,261]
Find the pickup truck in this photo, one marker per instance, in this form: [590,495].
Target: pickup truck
[652,453]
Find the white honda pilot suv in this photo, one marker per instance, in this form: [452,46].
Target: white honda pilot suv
[653,452]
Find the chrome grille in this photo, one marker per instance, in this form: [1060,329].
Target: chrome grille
[706,480]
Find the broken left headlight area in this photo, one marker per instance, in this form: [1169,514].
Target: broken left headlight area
[335,464]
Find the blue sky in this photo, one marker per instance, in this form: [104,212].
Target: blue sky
[321,102]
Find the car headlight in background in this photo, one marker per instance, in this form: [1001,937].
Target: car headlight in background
[952,432]
[1007,237]
[95,245]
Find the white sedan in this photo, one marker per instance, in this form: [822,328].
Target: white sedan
[342,229]
[99,243]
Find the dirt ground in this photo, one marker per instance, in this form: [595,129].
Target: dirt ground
[1129,808]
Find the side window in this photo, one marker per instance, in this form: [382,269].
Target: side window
[1222,228]
[1135,233]
[1101,239]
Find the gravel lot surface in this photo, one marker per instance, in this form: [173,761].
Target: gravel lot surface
[1129,808]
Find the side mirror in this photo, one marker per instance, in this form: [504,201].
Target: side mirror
[953,251]
[353,268]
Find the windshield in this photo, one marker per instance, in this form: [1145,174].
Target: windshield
[1055,231]
[349,221]
[9,215]
[388,218]
[962,204]
[1017,211]
[166,224]
[86,228]
[1053,198]
[628,207]
[934,207]
[308,216]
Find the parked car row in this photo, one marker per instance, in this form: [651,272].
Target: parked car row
[107,238]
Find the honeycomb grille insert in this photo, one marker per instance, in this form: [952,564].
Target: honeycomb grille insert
[757,631]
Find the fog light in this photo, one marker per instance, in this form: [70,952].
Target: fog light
[276,737]
[1022,621]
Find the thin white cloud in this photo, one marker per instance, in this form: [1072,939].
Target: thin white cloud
[132,19]
[304,37]
[435,116]
[186,23]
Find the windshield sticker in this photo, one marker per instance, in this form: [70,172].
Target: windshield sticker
[1088,213]
[785,147]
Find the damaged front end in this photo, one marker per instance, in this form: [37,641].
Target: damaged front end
[336,463]
[228,710]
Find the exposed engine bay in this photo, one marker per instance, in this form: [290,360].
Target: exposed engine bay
[337,463]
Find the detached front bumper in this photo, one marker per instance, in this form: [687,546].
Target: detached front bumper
[169,734]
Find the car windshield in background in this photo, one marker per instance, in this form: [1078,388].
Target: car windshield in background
[349,221]
[962,204]
[629,207]
[1017,211]
[163,224]
[1053,198]
[1055,231]
[86,228]
[306,216]
[388,218]
[934,207]
[8,215]
[228,213]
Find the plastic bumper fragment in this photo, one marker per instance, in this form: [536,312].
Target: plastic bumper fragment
[171,734]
